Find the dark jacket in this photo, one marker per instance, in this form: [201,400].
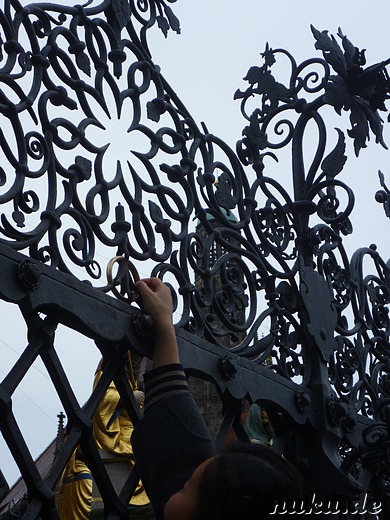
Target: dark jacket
[171,439]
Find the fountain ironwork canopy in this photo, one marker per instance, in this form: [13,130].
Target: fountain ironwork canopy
[323,368]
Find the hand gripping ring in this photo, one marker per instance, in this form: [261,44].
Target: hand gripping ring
[133,279]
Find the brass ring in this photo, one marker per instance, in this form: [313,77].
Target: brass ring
[133,271]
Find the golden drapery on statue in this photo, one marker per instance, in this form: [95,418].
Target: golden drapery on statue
[75,489]
[112,429]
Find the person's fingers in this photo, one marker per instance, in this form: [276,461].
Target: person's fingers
[152,284]
[141,287]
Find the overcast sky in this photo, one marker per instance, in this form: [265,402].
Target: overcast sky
[206,64]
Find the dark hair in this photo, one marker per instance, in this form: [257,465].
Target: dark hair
[246,482]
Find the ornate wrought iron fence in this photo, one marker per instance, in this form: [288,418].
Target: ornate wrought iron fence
[183,195]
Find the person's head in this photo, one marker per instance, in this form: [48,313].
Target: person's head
[244,482]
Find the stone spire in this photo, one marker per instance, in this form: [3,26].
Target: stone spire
[60,435]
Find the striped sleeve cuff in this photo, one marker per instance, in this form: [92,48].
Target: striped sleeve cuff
[164,382]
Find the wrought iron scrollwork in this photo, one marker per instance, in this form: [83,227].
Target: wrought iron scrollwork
[116,166]
[68,69]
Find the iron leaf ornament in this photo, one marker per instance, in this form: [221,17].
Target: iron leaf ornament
[362,91]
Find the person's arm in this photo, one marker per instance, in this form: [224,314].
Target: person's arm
[171,439]
[157,301]
[167,377]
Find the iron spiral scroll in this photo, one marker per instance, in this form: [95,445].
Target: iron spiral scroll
[242,254]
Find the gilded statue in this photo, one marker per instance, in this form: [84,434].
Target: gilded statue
[112,429]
